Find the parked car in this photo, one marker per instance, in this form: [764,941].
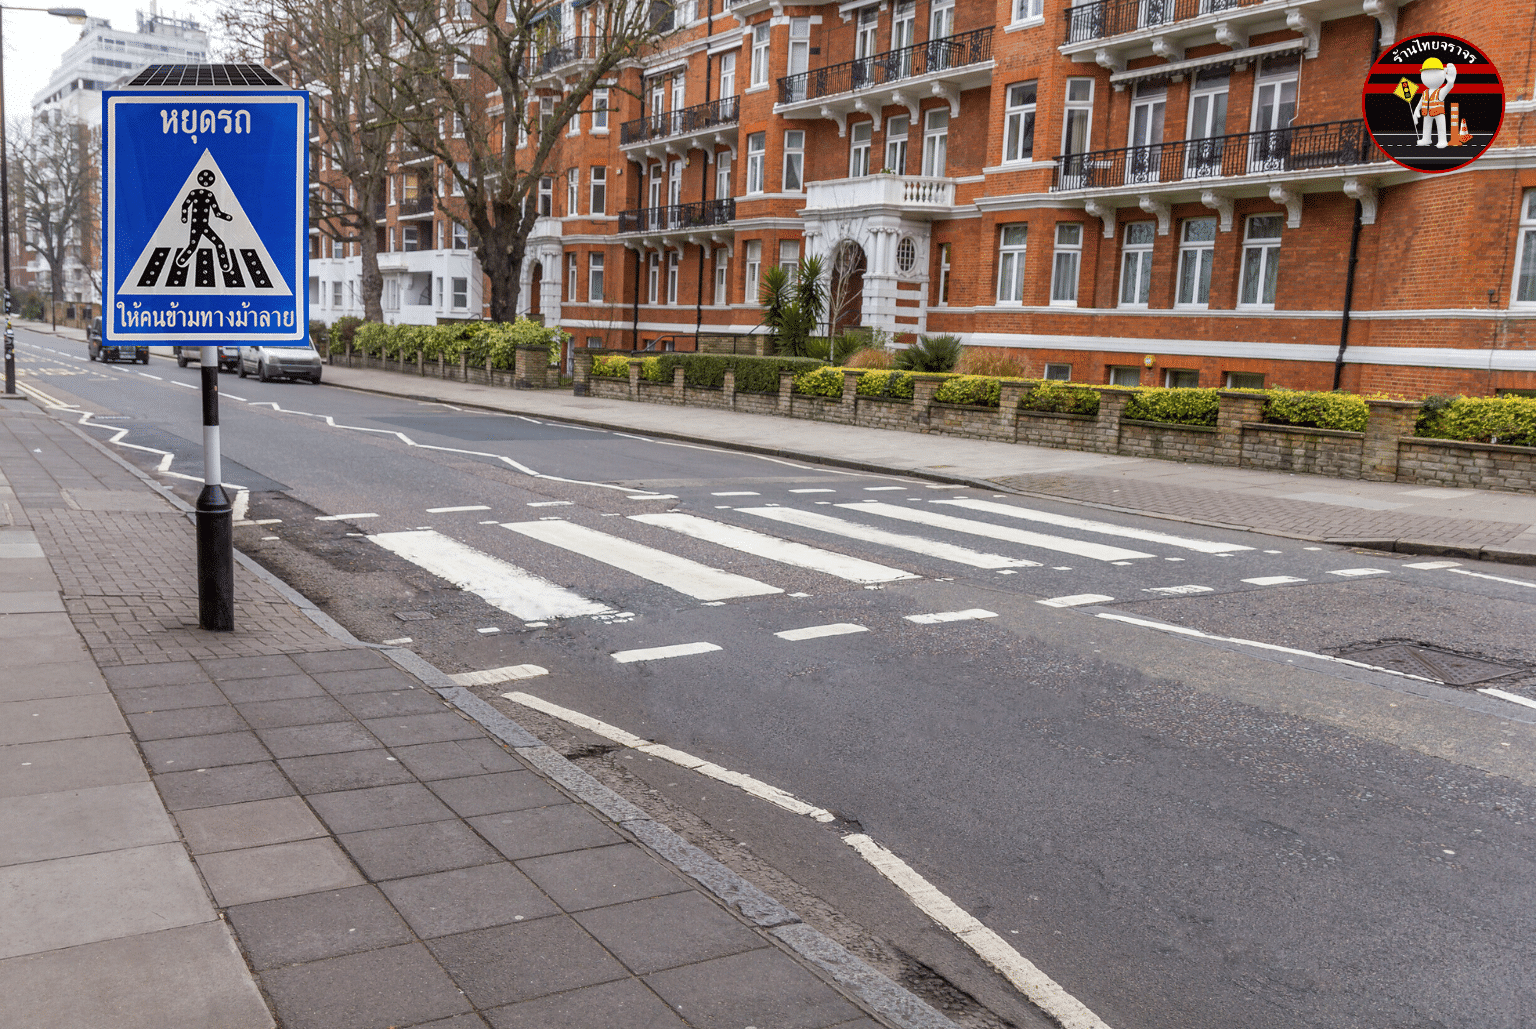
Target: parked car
[268,363]
[229,357]
[97,352]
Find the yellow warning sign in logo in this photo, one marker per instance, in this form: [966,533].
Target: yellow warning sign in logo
[1406,88]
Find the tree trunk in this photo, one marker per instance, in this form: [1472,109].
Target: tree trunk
[372,284]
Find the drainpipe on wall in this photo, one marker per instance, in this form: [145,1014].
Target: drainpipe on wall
[1349,297]
[634,329]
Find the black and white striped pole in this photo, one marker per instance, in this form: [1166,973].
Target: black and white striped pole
[215,516]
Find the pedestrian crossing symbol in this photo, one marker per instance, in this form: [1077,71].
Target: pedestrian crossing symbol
[205,243]
[205,220]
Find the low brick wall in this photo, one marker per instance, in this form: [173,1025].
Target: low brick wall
[1169,442]
[1444,462]
[884,413]
[608,387]
[1054,429]
[969,421]
[1292,448]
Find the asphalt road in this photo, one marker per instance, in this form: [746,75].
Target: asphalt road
[1162,788]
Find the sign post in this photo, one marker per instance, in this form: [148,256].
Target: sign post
[205,241]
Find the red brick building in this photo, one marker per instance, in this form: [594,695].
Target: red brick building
[1154,191]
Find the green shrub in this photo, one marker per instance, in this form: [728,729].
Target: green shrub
[820,382]
[319,338]
[894,385]
[975,390]
[342,332]
[930,354]
[761,374]
[611,366]
[1508,420]
[1316,410]
[369,338]
[1174,406]
[1056,397]
[650,370]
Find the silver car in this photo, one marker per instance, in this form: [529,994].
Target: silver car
[268,363]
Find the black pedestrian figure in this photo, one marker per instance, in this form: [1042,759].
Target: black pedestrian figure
[200,203]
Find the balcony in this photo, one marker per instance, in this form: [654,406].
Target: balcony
[1105,18]
[940,67]
[908,194]
[411,207]
[700,126]
[564,56]
[678,223]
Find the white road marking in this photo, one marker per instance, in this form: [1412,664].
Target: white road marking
[746,783]
[266,521]
[1511,697]
[652,496]
[1076,600]
[535,625]
[345,517]
[772,548]
[990,947]
[1023,537]
[973,614]
[1089,525]
[1273,580]
[1274,551]
[451,510]
[493,676]
[402,641]
[882,489]
[1174,591]
[519,593]
[231,396]
[242,505]
[1430,566]
[737,493]
[489,630]
[689,578]
[625,657]
[813,491]
[149,376]
[870,534]
[178,382]
[1496,578]
[816,632]
[1360,571]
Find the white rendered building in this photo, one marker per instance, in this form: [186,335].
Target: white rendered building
[102,55]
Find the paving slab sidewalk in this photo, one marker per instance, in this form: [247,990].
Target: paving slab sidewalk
[1388,515]
[281,827]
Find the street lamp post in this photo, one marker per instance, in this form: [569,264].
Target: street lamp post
[76,16]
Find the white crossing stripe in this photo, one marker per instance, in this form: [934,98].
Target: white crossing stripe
[518,592]
[737,493]
[1360,571]
[1273,580]
[492,676]
[897,541]
[1430,566]
[1076,600]
[760,544]
[1175,591]
[625,657]
[549,503]
[813,491]
[881,489]
[451,510]
[345,517]
[1089,525]
[687,577]
[1081,548]
[816,632]
[968,615]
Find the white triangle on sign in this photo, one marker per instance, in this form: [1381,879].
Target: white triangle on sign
[203,211]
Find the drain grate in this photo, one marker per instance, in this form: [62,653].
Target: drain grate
[1451,669]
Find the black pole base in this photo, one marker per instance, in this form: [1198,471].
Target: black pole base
[215,560]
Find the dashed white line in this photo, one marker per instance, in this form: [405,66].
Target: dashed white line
[737,493]
[1348,572]
[816,632]
[399,642]
[969,615]
[1176,591]
[494,676]
[1429,566]
[653,496]
[489,630]
[1075,600]
[625,657]
[1273,580]
[813,491]
[451,510]
[882,489]
[345,517]
[178,382]
[1496,578]
[149,376]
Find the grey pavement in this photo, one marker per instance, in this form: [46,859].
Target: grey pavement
[1386,515]
[281,827]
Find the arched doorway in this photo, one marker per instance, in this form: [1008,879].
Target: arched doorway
[845,287]
[535,288]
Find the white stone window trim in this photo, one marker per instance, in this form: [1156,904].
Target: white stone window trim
[1525,250]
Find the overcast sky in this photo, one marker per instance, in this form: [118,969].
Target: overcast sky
[35,41]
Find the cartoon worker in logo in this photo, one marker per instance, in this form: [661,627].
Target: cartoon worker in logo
[1439,78]
[200,203]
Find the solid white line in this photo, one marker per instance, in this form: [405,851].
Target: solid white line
[178,382]
[1089,525]
[1076,600]
[518,592]
[1081,548]
[870,534]
[1273,580]
[1430,566]
[686,577]
[746,783]
[1513,698]
[816,632]
[772,548]
[625,657]
[969,615]
[242,505]
[493,676]
[738,493]
[451,510]
[813,491]
[231,396]
[1360,571]
[990,947]
[344,517]
[1496,578]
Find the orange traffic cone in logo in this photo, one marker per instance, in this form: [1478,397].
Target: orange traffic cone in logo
[1462,135]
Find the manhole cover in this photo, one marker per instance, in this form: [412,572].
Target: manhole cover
[1451,669]
[414,616]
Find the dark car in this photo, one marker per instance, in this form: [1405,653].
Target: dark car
[229,357]
[98,352]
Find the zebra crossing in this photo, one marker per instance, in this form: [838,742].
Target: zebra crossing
[895,544]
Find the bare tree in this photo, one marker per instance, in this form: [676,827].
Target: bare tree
[487,87]
[55,165]
[327,47]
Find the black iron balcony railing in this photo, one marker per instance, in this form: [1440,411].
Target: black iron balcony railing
[1104,18]
[679,216]
[417,204]
[955,51]
[561,52]
[721,111]
[378,208]
[1297,148]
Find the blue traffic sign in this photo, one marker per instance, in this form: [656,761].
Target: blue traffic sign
[205,222]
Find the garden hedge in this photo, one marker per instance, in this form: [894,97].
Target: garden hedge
[1508,420]
[474,341]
